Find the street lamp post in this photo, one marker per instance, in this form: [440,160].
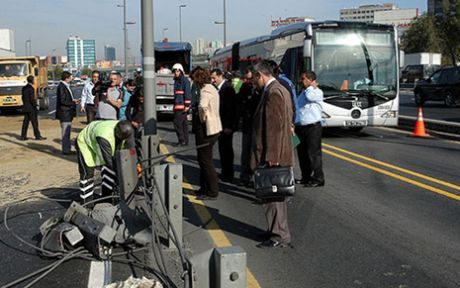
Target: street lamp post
[180,21]
[125,35]
[54,67]
[224,23]
[28,47]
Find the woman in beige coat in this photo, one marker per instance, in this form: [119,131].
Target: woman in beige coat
[207,128]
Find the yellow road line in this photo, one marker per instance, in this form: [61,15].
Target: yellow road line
[394,175]
[422,176]
[217,235]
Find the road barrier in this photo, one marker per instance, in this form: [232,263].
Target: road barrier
[443,128]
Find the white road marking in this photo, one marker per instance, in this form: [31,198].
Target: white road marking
[96,275]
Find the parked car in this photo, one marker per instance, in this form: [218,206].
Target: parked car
[442,85]
[413,73]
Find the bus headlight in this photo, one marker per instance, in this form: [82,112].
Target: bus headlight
[325,115]
[390,114]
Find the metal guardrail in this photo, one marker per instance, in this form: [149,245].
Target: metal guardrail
[432,124]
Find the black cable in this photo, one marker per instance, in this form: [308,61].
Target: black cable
[67,257]
[46,269]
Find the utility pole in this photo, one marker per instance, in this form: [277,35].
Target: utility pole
[225,23]
[180,21]
[148,65]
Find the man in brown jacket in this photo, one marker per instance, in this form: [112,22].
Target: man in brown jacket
[272,146]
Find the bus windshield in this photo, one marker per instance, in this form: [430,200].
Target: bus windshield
[352,61]
[10,70]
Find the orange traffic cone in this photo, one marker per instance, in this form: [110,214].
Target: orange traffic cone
[419,130]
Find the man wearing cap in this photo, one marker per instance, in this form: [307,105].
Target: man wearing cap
[182,101]
[96,146]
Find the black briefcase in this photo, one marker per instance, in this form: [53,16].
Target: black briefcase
[274,182]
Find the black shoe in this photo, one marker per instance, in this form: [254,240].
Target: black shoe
[273,244]
[23,138]
[264,236]
[40,138]
[183,144]
[312,184]
[300,181]
[205,197]
[176,144]
[69,153]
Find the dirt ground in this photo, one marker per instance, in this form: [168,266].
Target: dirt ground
[27,167]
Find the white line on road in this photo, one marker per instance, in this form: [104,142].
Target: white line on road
[96,275]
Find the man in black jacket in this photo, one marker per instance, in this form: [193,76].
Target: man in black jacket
[66,109]
[29,107]
[228,115]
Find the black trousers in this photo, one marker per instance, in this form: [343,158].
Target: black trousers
[208,176]
[30,117]
[309,152]
[181,126]
[226,155]
[90,113]
[86,179]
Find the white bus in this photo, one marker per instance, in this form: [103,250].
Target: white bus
[356,65]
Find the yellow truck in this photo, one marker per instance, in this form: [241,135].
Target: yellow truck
[13,75]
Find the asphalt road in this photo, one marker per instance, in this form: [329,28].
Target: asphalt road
[431,109]
[387,217]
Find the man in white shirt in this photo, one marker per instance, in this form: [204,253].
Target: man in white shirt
[87,98]
[309,130]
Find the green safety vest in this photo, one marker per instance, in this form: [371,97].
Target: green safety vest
[87,143]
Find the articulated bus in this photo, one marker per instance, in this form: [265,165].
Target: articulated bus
[356,66]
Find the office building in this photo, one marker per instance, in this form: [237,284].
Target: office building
[109,53]
[7,43]
[435,7]
[400,18]
[198,48]
[81,53]
[364,13]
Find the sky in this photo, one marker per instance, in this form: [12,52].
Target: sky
[48,23]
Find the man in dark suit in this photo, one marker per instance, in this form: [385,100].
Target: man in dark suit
[66,109]
[228,116]
[273,147]
[29,107]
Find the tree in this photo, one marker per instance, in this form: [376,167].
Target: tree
[422,36]
[86,71]
[436,33]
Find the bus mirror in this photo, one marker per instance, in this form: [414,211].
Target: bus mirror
[401,58]
[307,50]
[36,71]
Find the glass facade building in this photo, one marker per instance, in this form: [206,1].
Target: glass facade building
[81,53]
[109,52]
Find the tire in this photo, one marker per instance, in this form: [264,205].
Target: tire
[419,98]
[450,100]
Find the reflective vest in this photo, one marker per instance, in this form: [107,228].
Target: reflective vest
[182,97]
[88,145]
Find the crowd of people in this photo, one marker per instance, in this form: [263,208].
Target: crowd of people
[262,103]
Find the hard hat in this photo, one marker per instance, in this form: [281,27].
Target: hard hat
[123,130]
[178,66]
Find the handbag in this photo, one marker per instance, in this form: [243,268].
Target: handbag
[274,182]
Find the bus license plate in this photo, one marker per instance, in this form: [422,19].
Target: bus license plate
[356,123]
